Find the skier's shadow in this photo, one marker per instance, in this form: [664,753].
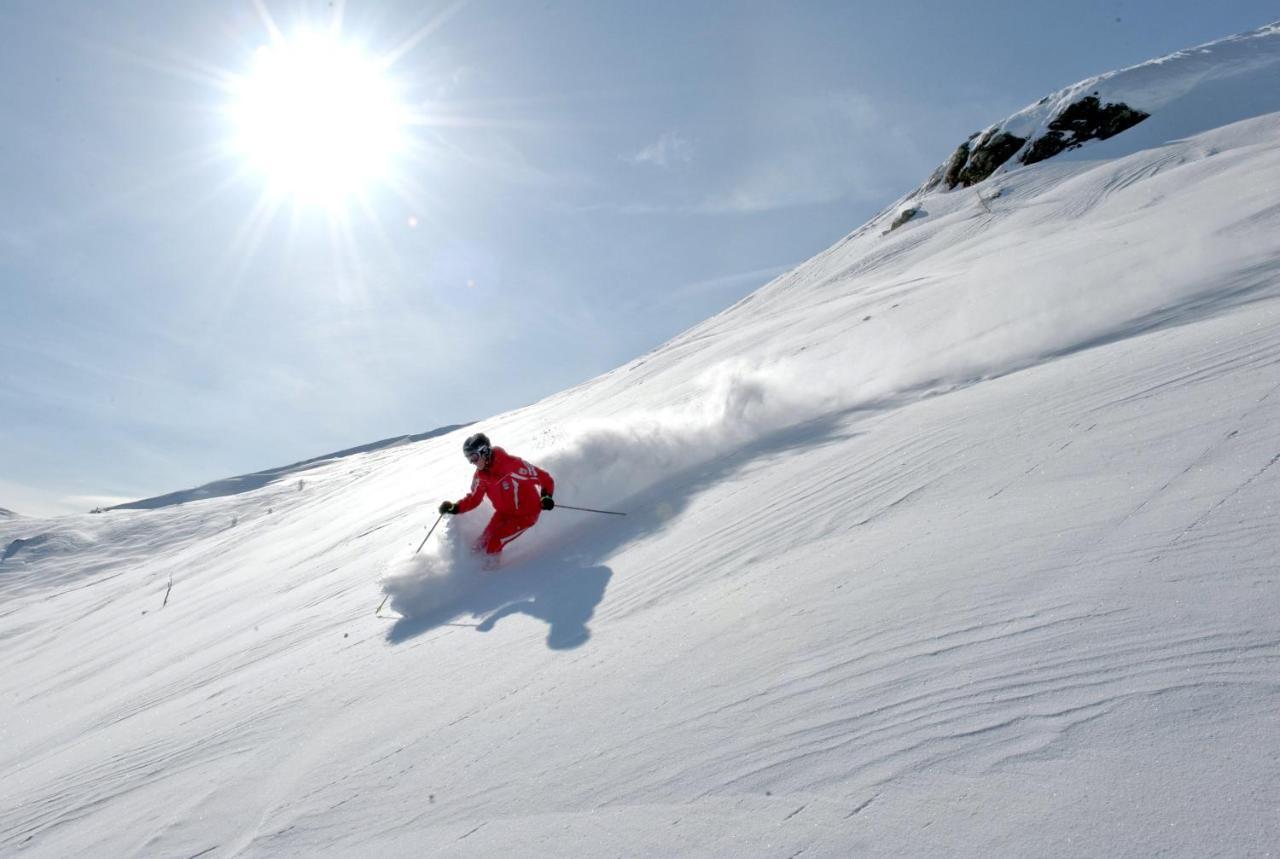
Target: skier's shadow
[563,598]
[566,606]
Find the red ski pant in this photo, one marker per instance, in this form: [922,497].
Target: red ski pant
[502,529]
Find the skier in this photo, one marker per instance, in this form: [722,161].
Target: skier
[518,491]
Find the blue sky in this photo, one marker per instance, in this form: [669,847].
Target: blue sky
[581,181]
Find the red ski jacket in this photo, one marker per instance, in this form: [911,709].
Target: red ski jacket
[511,484]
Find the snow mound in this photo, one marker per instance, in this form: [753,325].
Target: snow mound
[40,547]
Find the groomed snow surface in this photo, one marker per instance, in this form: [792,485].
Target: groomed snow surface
[959,540]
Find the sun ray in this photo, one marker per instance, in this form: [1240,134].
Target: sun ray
[379,230]
[348,264]
[335,20]
[235,264]
[297,225]
[264,14]
[252,232]
[435,23]
[183,67]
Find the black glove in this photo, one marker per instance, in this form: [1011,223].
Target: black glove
[547,503]
[448,507]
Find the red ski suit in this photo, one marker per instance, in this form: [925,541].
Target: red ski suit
[513,489]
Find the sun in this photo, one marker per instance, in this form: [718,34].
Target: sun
[318,119]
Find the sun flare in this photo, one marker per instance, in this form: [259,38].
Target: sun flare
[318,119]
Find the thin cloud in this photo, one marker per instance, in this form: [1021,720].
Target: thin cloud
[802,152]
[758,276]
[667,151]
[819,150]
[731,284]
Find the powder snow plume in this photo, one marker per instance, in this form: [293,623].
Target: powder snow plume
[612,462]
[441,574]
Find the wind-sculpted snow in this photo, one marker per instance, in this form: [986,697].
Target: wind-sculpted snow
[42,546]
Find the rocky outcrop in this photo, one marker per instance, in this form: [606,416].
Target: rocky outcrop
[949,174]
[991,150]
[985,152]
[976,159]
[903,216]
[1081,121]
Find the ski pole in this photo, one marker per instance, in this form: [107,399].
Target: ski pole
[428,537]
[560,506]
[378,610]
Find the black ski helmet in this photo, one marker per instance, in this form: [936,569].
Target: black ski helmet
[477,445]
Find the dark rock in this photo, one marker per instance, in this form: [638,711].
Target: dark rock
[951,173]
[1081,121]
[975,160]
[990,152]
[903,216]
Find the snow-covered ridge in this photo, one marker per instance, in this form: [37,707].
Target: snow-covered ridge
[259,479]
[1190,91]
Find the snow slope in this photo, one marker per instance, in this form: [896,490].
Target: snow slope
[958,540]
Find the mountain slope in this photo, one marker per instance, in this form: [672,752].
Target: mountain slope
[959,539]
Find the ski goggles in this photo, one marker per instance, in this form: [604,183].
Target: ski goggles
[474,458]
